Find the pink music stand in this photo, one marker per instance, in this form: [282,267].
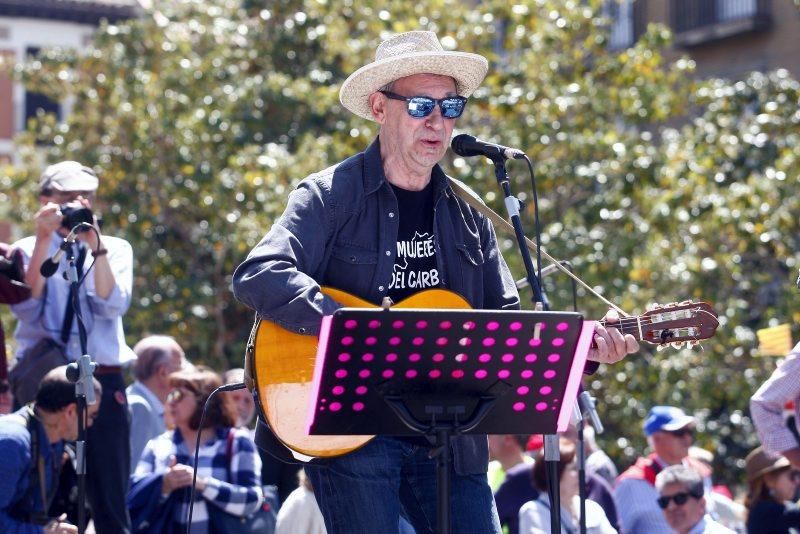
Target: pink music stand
[439,373]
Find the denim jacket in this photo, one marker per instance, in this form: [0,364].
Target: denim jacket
[340,229]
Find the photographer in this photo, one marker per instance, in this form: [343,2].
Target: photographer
[31,443]
[12,291]
[46,320]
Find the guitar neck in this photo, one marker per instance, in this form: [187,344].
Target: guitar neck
[627,325]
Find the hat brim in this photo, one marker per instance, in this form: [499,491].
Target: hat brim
[678,424]
[780,463]
[468,70]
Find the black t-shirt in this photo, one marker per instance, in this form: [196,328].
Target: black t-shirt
[770,517]
[415,260]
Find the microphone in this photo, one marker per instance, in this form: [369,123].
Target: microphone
[586,403]
[50,265]
[465,145]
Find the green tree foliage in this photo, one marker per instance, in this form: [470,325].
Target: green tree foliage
[203,114]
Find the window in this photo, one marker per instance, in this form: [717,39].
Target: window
[621,14]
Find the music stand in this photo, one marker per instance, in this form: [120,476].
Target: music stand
[406,372]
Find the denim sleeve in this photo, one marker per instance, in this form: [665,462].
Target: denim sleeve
[276,278]
[500,291]
[15,452]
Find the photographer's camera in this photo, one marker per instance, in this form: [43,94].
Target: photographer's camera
[74,214]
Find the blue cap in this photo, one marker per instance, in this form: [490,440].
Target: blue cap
[666,418]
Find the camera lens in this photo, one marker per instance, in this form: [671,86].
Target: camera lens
[74,214]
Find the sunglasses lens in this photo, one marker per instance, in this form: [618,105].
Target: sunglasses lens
[452,107]
[420,106]
[679,498]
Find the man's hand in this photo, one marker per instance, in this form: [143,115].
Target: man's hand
[48,220]
[60,526]
[610,345]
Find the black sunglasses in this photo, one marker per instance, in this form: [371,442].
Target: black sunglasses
[679,498]
[421,106]
[681,432]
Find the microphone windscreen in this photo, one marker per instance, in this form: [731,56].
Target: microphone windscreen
[461,145]
[48,268]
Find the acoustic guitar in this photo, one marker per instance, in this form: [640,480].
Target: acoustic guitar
[282,363]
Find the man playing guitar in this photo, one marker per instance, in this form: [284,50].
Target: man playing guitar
[385,222]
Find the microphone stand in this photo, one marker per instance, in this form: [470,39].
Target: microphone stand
[585,406]
[80,372]
[552,452]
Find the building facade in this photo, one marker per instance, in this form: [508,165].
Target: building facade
[27,26]
[725,38]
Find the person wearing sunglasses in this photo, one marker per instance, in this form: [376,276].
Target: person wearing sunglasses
[387,223]
[681,497]
[670,433]
[772,485]
[228,467]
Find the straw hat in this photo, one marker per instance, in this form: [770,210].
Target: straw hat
[406,54]
[759,462]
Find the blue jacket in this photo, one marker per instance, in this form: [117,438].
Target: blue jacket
[340,229]
[15,465]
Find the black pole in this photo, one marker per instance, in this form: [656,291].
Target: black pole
[512,206]
[443,482]
[582,475]
[80,372]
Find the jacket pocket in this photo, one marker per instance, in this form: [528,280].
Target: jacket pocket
[351,269]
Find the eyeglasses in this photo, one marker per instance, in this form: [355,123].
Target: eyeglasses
[681,432]
[177,395]
[679,498]
[421,106]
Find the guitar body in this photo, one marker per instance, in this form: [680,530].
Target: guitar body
[283,369]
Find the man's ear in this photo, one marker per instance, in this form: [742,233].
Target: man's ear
[377,105]
[70,409]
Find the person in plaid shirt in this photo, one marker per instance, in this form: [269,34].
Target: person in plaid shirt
[228,473]
[766,408]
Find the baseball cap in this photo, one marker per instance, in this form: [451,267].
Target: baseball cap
[666,418]
[68,176]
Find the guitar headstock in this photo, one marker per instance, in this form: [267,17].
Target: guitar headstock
[678,323]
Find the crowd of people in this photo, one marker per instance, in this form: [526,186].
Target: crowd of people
[351,227]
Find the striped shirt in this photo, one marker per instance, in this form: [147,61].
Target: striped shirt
[240,494]
[766,405]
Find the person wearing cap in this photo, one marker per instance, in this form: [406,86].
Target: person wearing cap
[104,295]
[681,495]
[767,408]
[387,223]
[669,432]
[771,486]
[156,358]
[31,445]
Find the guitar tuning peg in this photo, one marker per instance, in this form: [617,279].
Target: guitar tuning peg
[654,306]
[677,344]
[684,302]
[659,348]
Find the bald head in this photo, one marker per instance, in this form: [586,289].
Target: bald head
[154,354]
